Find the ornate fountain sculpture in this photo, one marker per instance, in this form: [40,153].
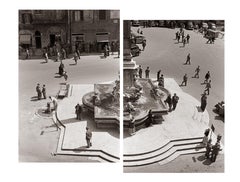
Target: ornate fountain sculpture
[140,95]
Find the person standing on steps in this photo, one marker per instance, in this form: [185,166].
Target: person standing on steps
[88,137]
[158,75]
[147,71]
[140,71]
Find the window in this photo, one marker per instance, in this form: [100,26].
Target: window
[58,14]
[38,12]
[102,14]
[78,16]
[26,18]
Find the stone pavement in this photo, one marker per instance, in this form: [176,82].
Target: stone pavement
[180,133]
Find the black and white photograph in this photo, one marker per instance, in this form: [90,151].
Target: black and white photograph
[119,90]
[69,85]
[173,73]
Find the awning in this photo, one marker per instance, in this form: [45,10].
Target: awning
[102,37]
[25,39]
[78,37]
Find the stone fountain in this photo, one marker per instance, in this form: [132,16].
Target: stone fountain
[140,94]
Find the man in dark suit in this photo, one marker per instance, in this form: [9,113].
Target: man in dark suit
[175,99]
[88,137]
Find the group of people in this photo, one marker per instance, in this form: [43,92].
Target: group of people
[41,92]
[172,102]
[181,35]
[212,151]
[207,80]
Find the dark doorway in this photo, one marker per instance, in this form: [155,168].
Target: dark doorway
[38,40]
[52,39]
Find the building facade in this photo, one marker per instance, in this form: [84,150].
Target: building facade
[51,30]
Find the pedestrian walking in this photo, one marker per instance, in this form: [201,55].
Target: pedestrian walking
[105,51]
[203,102]
[169,102]
[188,59]
[61,69]
[27,54]
[147,71]
[140,71]
[65,76]
[75,57]
[64,55]
[197,70]
[44,91]
[215,151]
[185,79]
[207,88]
[176,35]
[78,111]
[208,148]
[150,119]
[205,137]
[58,56]
[178,38]
[132,127]
[207,76]
[46,57]
[88,137]
[188,37]
[39,93]
[143,44]
[78,54]
[158,75]
[183,37]
[175,99]
[54,101]
[184,42]
[161,81]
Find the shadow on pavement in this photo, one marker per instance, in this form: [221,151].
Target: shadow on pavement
[199,109]
[34,98]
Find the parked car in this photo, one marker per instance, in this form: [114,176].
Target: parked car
[137,38]
[189,25]
[135,23]
[135,50]
[212,26]
[204,26]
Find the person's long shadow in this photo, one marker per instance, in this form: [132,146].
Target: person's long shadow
[57,76]
[199,109]
[43,62]
[34,98]
[103,57]
[72,64]
[204,160]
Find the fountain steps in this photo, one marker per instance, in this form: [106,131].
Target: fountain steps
[99,155]
[86,152]
[166,153]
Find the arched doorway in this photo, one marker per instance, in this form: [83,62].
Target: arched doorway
[38,40]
